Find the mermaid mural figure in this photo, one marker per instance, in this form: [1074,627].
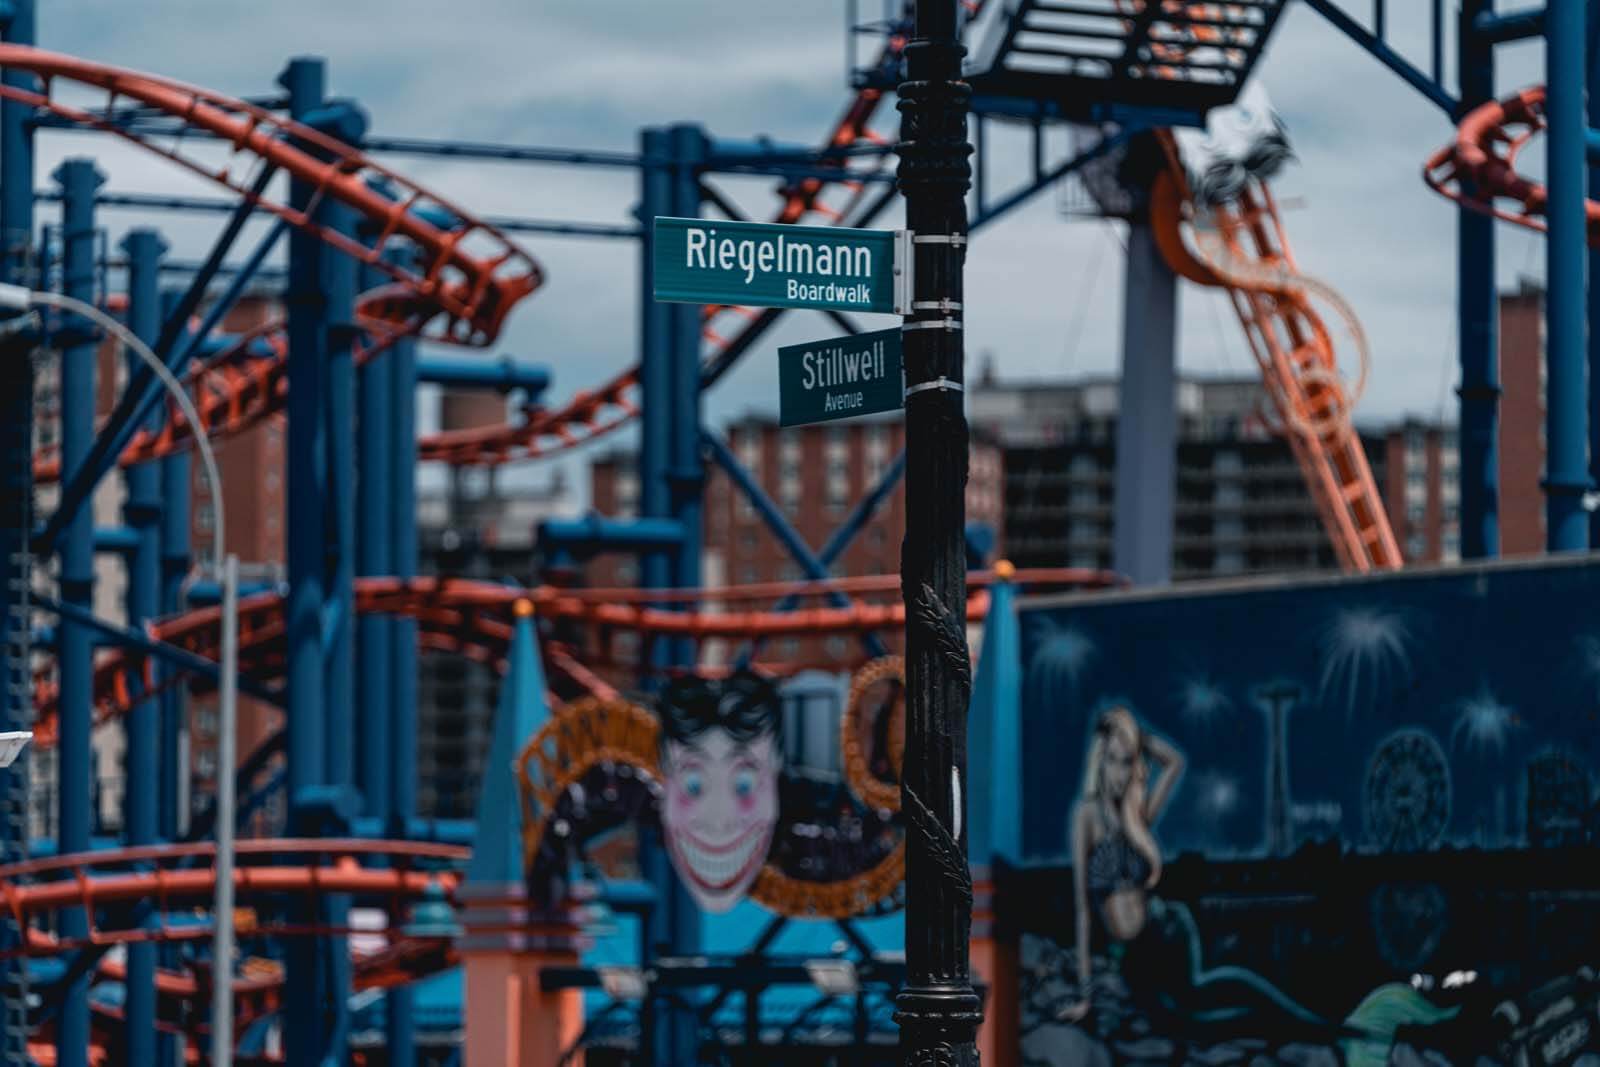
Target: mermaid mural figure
[1116,864]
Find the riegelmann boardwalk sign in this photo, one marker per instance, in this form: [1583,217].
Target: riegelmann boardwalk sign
[705,261]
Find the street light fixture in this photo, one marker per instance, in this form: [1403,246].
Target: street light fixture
[12,742]
[226,568]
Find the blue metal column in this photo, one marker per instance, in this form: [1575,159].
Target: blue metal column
[687,473]
[669,470]
[339,272]
[79,182]
[16,512]
[1566,398]
[375,475]
[176,500]
[1145,499]
[312,1017]
[400,1030]
[1477,330]
[142,512]
[1593,123]
[655,355]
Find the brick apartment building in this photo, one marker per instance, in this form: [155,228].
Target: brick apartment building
[1521,438]
[815,475]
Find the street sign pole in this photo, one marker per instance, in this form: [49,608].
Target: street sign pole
[938,1011]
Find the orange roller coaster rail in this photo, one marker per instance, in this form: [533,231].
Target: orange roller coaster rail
[474,618]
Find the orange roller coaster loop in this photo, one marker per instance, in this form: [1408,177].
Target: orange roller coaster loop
[474,274]
[1479,168]
[1241,247]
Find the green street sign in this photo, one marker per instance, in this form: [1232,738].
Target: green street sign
[840,378]
[707,261]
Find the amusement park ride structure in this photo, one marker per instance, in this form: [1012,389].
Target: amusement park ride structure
[428,270]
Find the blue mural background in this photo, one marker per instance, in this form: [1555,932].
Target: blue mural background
[1495,665]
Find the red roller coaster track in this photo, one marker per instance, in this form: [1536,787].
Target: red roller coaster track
[473,618]
[34,891]
[1484,154]
[471,274]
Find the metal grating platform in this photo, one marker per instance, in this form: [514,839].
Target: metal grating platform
[1095,58]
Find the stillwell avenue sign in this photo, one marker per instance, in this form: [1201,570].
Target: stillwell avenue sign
[839,378]
[709,261]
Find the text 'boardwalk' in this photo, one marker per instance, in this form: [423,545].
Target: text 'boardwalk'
[700,261]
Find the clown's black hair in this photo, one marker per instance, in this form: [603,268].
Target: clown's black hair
[745,704]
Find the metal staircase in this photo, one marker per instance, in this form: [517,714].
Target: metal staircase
[1099,59]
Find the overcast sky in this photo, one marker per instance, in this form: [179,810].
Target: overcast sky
[1044,290]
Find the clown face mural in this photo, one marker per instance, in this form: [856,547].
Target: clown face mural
[720,760]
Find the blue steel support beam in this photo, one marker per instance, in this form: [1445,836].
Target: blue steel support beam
[399,1027]
[374,478]
[503,373]
[1477,329]
[194,343]
[16,514]
[841,538]
[142,512]
[214,205]
[1593,146]
[781,528]
[655,360]
[115,540]
[116,635]
[1566,399]
[78,179]
[175,531]
[1330,10]
[1510,26]
[595,533]
[143,392]
[316,1012]
[664,1034]
[687,471]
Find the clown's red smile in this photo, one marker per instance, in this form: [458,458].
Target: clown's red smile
[719,813]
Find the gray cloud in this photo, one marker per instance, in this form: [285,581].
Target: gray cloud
[1044,291]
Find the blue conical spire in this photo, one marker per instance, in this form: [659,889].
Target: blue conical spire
[497,848]
[994,732]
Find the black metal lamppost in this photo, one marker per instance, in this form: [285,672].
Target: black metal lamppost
[938,1011]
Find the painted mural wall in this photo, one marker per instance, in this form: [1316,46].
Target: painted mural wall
[1346,821]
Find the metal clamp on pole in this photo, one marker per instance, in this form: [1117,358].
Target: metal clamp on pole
[933,324]
[936,305]
[942,384]
[957,239]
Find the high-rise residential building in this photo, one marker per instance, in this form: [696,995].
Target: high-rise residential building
[1522,413]
[1423,490]
[476,525]
[1241,503]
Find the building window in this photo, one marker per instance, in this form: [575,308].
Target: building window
[838,647]
[205,763]
[838,494]
[205,722]
[749,450]
[1416,547]
[204,517]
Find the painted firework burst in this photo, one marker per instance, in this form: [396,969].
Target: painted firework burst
[1365,657]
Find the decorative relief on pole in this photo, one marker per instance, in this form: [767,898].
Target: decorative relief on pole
[949,637]
[941,847]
